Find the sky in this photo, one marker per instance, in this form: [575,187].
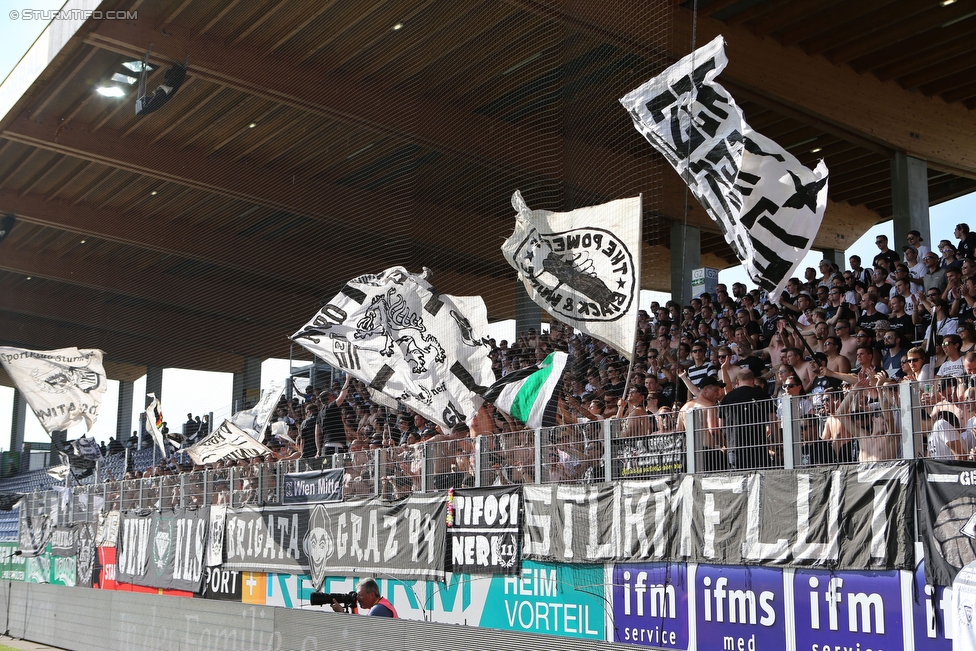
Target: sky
[200,392]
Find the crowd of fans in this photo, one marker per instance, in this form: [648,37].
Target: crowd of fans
[839,344]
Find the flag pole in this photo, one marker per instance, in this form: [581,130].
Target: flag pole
[637,274]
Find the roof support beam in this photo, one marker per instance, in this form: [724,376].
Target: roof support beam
[44,334]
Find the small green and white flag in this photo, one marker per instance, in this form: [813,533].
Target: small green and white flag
[531,394]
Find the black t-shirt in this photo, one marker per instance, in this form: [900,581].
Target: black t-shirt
[308,437]
[967,247]
[888,255]
[330,421]
[870,320]
[902,325]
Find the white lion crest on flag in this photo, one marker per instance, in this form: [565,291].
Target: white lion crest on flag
[389,317]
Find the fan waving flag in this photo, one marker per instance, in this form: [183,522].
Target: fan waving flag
[394,332]
[768,205]
[582,267]
[62,387]
[531,394]
[154,423]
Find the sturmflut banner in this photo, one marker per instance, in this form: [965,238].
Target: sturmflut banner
[840,518]
[164,549]
[63,387]
[397,334]
[768,205]
[485,532]
[582,267]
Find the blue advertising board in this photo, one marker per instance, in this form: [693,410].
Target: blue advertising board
[856,610]
[650,604]
[741,608]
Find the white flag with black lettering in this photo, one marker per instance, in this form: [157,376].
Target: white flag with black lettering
[583,266]
[255,420]
[63,386]
[767,203]
[226,442]
[394,332]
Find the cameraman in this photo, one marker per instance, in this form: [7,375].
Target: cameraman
[368,595]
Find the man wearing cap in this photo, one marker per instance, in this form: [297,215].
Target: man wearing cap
[913,260]
[915,241]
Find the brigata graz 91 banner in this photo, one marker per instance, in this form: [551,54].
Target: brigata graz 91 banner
[405,539]
[852,517]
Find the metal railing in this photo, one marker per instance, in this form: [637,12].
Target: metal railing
[876,423]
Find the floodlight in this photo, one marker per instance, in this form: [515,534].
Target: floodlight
[124,79]
[110,91]
[138,66]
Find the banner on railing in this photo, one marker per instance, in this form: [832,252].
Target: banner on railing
[947,520]
[836,517]
[313,486]
[404,539]
[484,528]
[63,542]
[164,549]
[34,532]
[108,529]
[643,457]
[86,553]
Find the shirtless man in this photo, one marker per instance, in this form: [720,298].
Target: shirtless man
[835,361]
[709,435]
[848,344]
[794,357]
[874,429]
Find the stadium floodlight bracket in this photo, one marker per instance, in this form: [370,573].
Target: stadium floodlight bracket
[6,223]
[175,76]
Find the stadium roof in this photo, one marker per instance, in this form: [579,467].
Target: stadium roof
[317,140]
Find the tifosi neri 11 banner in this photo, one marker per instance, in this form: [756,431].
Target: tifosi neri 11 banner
[484,530]
[768,205]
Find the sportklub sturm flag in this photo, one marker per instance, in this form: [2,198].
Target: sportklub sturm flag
[768,205]
[63,386]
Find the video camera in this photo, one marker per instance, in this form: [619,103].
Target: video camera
[347,600]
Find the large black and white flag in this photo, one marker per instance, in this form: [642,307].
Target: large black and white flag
[226,442]
[583,266]
[394,332]
[163,549]
[767,203]
[86,448]
[255,420]
[63,386]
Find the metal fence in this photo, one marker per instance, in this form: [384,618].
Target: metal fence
[864,424]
